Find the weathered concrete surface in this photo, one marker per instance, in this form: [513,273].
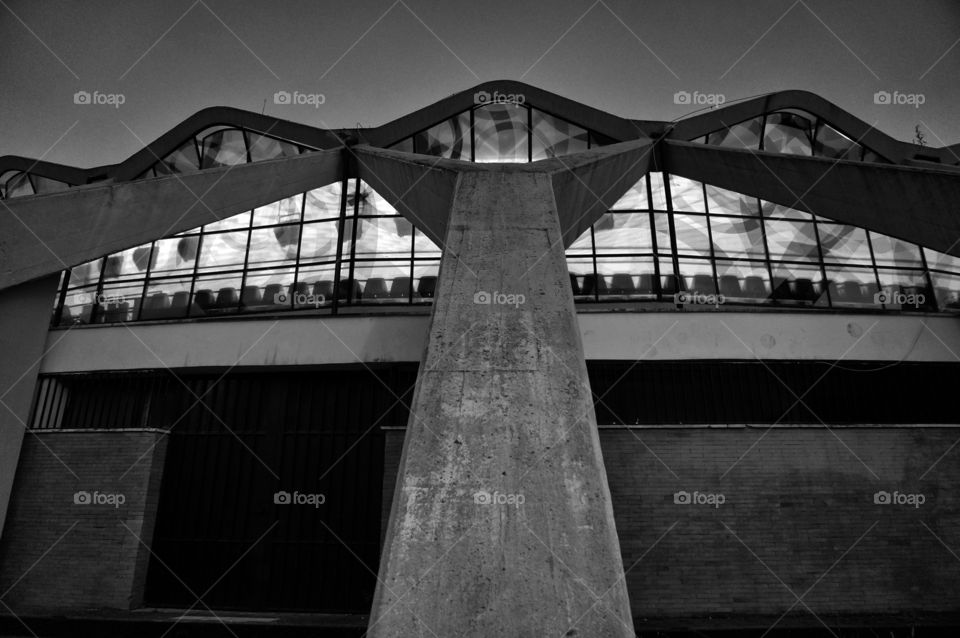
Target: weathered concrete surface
[913,204]
[44,234]
[502,411]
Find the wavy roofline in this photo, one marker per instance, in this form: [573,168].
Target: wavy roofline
[614,127]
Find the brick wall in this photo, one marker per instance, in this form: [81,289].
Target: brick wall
[87,555]
[799,508]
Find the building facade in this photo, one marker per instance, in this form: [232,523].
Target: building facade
[220,347]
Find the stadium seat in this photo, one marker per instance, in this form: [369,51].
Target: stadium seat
[621,284]
[803,290]
[324,289]
[400,288]
[781,289]
[672,284]
[349,289]
[647,284]
[704,285]
[427,287]
[271,294]
[375,288]
[156,306]
[202,300]
[730,286]
[251,296]
[227,299]
[754,287]
[594,284]
[179,303]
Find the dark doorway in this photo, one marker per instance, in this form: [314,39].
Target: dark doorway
[314,437]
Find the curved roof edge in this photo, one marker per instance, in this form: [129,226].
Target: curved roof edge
[906,153]
[612,126]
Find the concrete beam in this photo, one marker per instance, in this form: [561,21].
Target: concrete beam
[44,234]
[917,205]
[420,187]
[502,523]
[586,184]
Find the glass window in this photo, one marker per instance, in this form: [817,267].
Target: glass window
[225,147]
[166,299]
[425,275]
[175,256]
[743,281]
[942,261]
[319,241]
[692,234]
[85,274]
[798,284]
[697,276]
[890,251]
[904,290]
[791,240]
[501,133]
[623,233]
[661,226]
[423,246]
[851,286]
[627,277]
[777,211]
[223,251]
[234,222]
[314,286]
[658,191]
[582,246]
[284,211]
[265,148]
[844,244]
[720,201]
[370,202]
[383,281]
[405,145]
[47,185]
[182,160]
[686,194]
[833,144]
[579,268]
[553,137]
[635,198]
[127,264]
[378,237]
[78,306]
[323,203]
[216,294]
[737,237]
[267,290]
[788,132]
[947,290]
[273,246]
[450,139]
[19,185]
[743,135]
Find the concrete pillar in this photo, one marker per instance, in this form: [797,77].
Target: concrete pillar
[502,523]
[24,320]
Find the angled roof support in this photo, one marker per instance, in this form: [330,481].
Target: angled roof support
[916,205]
[44,234]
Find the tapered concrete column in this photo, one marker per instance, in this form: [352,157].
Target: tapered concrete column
[502,523]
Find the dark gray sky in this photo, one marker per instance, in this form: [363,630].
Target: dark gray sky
[377,60]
